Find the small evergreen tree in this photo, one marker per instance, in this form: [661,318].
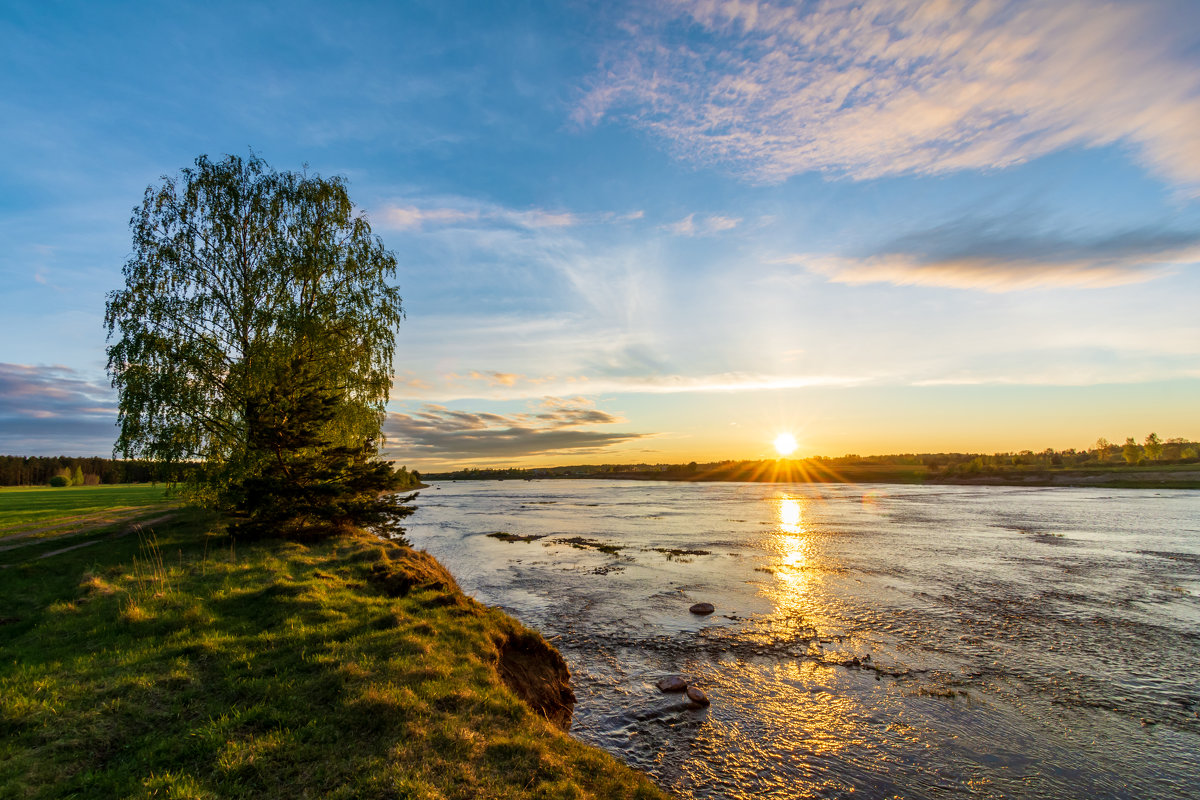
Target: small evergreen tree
[307,485]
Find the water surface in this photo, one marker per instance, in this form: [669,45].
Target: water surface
[874,642]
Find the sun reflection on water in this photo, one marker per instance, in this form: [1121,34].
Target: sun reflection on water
[792,542]
[790,514]
[803,702]
[796,566]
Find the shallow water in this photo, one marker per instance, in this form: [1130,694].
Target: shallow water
[874,642]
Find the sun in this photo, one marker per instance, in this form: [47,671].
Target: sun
[785,444]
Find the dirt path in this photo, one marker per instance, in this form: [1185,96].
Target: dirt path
[22,530]
[134,524]
[128,529]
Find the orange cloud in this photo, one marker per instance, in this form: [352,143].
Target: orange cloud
[496,378]
[966,256]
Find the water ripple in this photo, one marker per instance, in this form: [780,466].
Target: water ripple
[923,642]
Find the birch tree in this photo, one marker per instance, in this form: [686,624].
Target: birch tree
[237,271]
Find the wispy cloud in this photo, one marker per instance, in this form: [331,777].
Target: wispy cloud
[496,378]
[450,212]
[554,426]
[570,412]
[54,409]
[704,226]
[407,217]
[972,255]
[725,382]
[538,218]
[451,388]
[415,217]
[887,87]
[977,273]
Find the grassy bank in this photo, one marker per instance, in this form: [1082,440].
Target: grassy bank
[174,663]
[1107,476]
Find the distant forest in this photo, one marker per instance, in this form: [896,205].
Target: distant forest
[72,471]
[39,470]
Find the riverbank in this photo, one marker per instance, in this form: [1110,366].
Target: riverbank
[1187,477]
[178,663]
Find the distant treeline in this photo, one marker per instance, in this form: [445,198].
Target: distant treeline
[903,467]
[39,470]
[73,471]
[1152,451]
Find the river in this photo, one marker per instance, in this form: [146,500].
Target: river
[868,641]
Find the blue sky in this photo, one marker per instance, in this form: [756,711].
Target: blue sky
[654,231]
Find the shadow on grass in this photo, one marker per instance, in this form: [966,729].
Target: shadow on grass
[203,668]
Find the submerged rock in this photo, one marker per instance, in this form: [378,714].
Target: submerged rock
[703,608]
[697,696]
[672,683]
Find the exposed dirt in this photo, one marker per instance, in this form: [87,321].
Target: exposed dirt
[404,569]
[537,673]
[527,663]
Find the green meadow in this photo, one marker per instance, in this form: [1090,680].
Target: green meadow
[24,506]
[170,661]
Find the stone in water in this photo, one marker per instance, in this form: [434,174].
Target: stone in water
[672,683]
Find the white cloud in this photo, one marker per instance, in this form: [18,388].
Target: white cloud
[718,223]
[541,219]
[988,274]
[888,87]
[705,226]
[451,389]
[449,212]
[407,217]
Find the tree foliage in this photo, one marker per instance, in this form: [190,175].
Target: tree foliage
[1153,447]
[310,485]
[237,271]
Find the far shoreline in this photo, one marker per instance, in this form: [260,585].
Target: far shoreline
[1165,477]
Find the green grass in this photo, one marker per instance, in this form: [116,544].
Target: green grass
[178,664]
[23,505]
